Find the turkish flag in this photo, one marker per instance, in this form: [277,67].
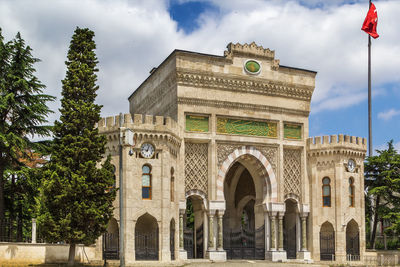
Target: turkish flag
[371,21]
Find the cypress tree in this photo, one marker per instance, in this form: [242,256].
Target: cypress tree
[77,195]
[23,109]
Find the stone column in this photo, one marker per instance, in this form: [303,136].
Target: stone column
[181,229]
[280,231]
[273,231]
[33,230]
[304,232]
[211,245]
[220,230]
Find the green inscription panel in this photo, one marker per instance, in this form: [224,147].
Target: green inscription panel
[197,123]
[292,131]
[246,127]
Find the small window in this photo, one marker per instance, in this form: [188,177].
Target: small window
[326,192]
[351,192]
[172,189]
[146,182]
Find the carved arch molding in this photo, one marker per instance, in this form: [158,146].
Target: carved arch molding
[269,152]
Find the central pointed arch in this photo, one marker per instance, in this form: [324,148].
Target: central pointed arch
[264,168]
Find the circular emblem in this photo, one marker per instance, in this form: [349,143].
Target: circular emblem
[251,66]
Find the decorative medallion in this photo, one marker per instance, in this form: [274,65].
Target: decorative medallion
[252,67]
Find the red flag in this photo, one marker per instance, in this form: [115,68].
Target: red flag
[371,21]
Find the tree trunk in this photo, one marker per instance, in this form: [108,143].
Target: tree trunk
[372,241]
[71,257]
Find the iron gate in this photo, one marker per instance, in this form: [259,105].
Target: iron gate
[199,242]
[289,242]
[188,242]
[110,246]
[245,244]
[146,245]
[327,246]
[353,247]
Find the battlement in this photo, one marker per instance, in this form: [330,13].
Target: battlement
[337,141]
[249,50]
[138,122]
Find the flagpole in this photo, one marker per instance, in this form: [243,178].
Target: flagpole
[369,96]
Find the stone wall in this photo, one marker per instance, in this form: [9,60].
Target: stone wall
[45,253]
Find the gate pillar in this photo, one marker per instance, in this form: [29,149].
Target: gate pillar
[182,211]
[276,212]
[304,253]
[213,253]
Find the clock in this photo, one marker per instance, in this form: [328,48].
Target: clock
[147,150]
[351,165]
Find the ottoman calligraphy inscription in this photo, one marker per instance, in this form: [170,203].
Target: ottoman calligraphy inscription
[246,127]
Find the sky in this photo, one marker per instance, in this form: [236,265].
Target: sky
[133,36]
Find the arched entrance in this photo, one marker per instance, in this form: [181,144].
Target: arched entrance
[243,221]
[146,238]
[352,241]
[290,222]
[327,242]
[172,239]
[193,233]
[111,241]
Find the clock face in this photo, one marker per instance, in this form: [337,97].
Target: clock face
[351,165]
[147,150]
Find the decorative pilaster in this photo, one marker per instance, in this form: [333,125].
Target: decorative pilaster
[304,232]
[280,231]
[211,245]
[273,231]
[181,230]
[220,229]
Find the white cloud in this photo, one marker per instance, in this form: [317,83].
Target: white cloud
[134,36]
[387,115]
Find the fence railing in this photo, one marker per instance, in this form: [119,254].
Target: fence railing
[18,230]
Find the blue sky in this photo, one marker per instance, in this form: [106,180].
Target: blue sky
[133,36]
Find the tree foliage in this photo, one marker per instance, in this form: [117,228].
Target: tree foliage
[77,193]
[23,109]
[382,173]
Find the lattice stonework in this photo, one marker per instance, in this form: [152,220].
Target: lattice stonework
[292,171]
[196,166]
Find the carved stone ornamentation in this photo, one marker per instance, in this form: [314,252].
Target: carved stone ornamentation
[196,167]
[292,171]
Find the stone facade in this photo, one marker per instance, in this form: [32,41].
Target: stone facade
[230,141]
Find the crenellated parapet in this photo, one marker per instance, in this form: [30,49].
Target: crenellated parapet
[337,144]
[140,127]
[249,50]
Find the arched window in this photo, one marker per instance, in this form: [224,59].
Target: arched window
[146,182]
[351,192]
[326,192]
[172,189]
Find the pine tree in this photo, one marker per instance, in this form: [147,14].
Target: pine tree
[382,173]
[23,109]
[75,198]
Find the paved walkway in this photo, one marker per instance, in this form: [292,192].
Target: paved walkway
[250,263]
